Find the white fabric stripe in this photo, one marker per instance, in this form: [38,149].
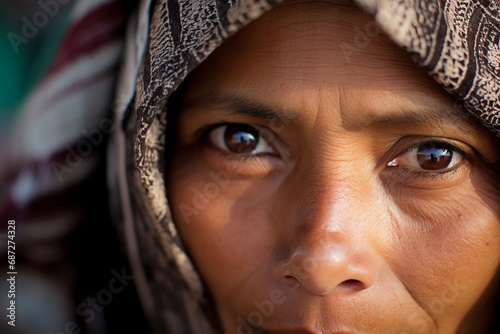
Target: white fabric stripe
[64,122]
[83,68]
[45,127]
[84,7]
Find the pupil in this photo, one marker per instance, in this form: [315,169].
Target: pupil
[241,138]
[433,157]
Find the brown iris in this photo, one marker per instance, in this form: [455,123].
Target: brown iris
[241,138]
[434,156]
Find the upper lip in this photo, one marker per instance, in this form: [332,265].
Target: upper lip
[286,331]
[294,331]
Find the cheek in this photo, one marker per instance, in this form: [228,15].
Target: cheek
[445,245]
[215,213]
[457,251]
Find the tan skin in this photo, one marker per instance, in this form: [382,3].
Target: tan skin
[369,203]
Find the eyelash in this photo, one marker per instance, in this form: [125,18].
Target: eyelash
[446,145]
[433,175]
[207,130]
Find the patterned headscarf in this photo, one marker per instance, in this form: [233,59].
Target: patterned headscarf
[457,41]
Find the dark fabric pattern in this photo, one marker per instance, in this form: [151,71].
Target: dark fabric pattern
[457,41]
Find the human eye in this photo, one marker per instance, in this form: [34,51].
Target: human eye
[241,139]
[431,158]
[243,149]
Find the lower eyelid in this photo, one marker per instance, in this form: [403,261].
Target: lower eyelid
[405,181]
[241,165]
[446,175]
[433,174]
[238,157]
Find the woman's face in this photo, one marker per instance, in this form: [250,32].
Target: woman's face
[322,183]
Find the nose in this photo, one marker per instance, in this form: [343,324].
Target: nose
[322,267]
[328,249]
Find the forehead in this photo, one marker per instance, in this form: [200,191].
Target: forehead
[310,45]
[319,55]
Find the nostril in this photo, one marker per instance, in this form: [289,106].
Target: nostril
[292,281]
[352,284]
[320,269]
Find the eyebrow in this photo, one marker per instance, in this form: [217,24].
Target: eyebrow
[240,105]
[454,114]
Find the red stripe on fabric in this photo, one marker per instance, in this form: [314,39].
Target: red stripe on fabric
[97,28]
[38,169]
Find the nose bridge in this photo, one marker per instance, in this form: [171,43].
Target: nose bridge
[332,205]
[328,247]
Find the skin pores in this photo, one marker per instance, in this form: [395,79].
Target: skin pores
[325,185]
